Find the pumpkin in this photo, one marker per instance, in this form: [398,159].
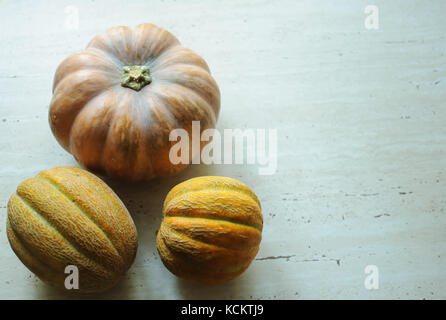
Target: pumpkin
[68,217]
[115,103]
[211,229]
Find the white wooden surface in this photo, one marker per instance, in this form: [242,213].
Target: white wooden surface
[361,120]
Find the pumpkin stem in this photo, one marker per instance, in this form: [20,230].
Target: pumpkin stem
[135,77]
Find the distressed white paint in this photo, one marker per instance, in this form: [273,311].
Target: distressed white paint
[361,121]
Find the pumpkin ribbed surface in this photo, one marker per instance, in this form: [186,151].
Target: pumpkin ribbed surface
[67,216]
[115,103]
[211,229]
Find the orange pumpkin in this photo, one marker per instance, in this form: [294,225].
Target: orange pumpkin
[67,216]
[115,103]
[211,229]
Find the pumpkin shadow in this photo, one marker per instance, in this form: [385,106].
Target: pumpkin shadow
[151,194]
[144,201]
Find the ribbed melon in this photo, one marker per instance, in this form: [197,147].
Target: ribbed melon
[68,216]
[211,230]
